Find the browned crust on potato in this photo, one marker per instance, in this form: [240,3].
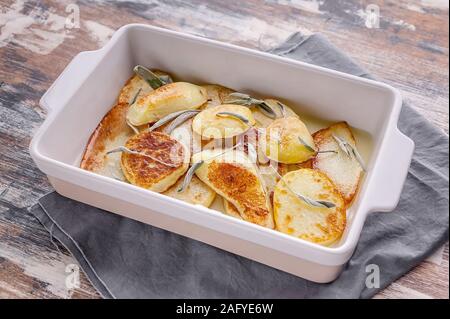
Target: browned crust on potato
[240,185]
[112,124]
[144,171]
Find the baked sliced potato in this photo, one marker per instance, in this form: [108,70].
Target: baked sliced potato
[197,192]
[233,176]
[136,87]
[298,218]
[230,209]
[160,162]
[113,131]
[288,141]
[343,170]
[165,100]
[280,109]
[217,95]
[218,122]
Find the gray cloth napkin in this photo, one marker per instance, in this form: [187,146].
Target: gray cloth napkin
[127,259]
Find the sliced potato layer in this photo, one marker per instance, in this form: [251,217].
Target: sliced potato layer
[343,170]
[233,176]
[286,139]
[295,217]
[136,88]
[217,95]
[113,131]
[197,192]
[230,209]
[281,110]
[219,122]
[163,161]
[164,100]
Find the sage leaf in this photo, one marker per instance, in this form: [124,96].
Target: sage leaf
[135,96]
[188,177]
[125,149]
[307,200]
[166,119]
[180,119]
[148,76]
[309,148]
[246,100]
[350,151]
[235,115]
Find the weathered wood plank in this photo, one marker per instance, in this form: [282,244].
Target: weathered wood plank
[409,51]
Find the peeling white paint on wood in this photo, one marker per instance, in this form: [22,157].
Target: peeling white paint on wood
[404,25]
[38,31]
[99,32]
[48,267]
[437,257]
[311,6]
[414,7]
[401,292]
[436,4]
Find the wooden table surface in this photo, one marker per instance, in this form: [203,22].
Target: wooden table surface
[409,50]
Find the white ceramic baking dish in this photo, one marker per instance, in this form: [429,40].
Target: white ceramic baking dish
[88,87]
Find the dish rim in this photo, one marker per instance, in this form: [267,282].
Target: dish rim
[365,207]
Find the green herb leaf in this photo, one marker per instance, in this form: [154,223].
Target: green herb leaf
[133,152]
[189,175]
[324,152]
[235,115]
[309,148]
[167,119]
[180,119]
[282,108]
[316,203]
[350,151]
[309,201]
[135,96]
[246,100]
[151,78]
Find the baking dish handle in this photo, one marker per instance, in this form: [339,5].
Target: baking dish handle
[70,79]
[394,165]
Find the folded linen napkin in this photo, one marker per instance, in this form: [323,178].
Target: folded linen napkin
[128,259]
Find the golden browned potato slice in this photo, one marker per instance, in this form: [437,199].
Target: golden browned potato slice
[211,125]
[230,209]
[285,141]
[233,176]
[113,131]
[217,95]
[164,100]
[136,88]
[297,218]
[164,162]
[197,192]
[264,121]
[343,170]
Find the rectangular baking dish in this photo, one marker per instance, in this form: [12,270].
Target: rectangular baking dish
[88,87]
